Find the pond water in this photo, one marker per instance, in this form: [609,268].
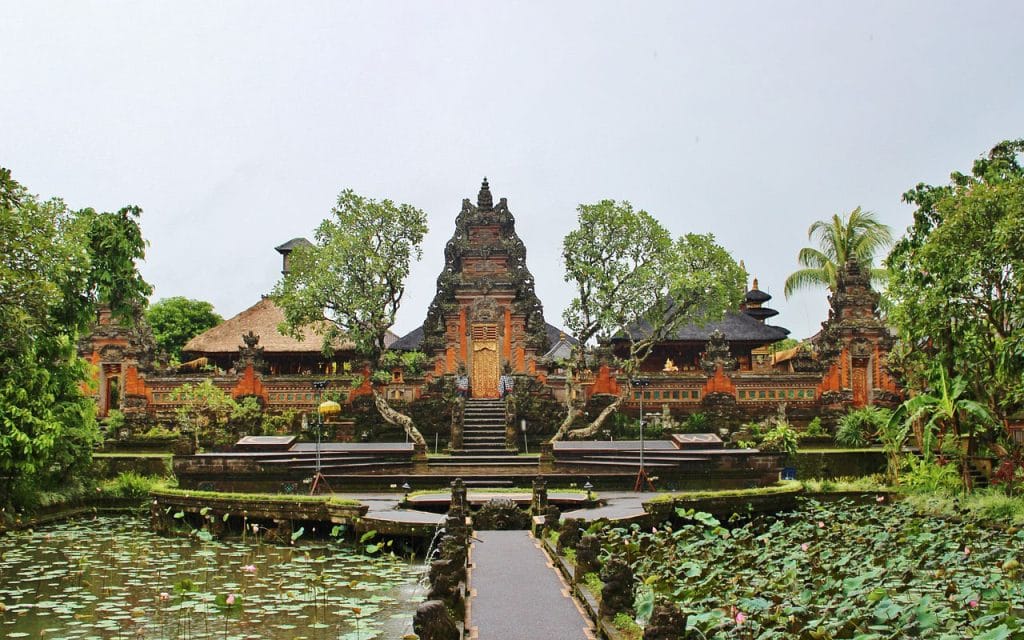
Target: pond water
[110,577]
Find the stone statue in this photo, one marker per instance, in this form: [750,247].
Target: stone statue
[667,622]
[617,593]
[433,622]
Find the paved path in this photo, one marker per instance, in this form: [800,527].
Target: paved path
[516,594]
[619,506]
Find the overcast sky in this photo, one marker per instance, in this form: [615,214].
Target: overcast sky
[234,125]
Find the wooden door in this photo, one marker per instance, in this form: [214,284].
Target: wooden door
[484,376]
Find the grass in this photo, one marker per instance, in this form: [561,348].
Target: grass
[629,628]
[254,497]
[479,490]
[839,450]
[983,504]
[780,488]
[841,485]
[139,454]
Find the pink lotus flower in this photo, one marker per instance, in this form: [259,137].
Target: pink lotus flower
[805,547]
[255,527]
[967,551]
[740,617]
[821,525]
[973,604]
[164,596]
[249,568]
[230,600]
[880,499]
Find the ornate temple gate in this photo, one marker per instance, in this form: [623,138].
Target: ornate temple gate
[484,374]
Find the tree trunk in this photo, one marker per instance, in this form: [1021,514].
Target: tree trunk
[396,418]
[570,417]
[595,426]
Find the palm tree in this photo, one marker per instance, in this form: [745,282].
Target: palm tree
[859,234]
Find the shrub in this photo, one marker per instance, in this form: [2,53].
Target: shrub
[814,428]
[781,438]
[129,484]
[860,426]
[931,477]
[697,423]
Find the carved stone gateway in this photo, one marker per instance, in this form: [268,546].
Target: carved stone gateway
[485,313]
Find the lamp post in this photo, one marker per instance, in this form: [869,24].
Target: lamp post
[328,407]
[590,490]
[642,479]
[526,446]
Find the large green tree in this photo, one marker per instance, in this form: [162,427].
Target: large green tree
[350,282]
[858,233]
[631,278]
[56,267]
[957,285]
[177,320]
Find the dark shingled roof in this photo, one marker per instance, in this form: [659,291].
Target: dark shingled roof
[756,295]
[736,325]
[411,341]
[291,244]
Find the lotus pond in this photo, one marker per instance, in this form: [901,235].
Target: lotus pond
[831,570]
[110,577]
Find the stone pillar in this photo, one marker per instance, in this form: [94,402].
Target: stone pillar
[511,434]
[539,503]
[456,440]
[547,456]
[459,501]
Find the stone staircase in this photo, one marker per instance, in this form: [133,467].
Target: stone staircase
[483,439]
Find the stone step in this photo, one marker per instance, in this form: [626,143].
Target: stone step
[485,463]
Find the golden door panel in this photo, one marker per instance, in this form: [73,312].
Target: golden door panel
[485,361]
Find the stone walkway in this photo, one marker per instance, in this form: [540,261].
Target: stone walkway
[516,594]
[620,506]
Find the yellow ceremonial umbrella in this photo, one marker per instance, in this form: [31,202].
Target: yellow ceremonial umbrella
[329,408]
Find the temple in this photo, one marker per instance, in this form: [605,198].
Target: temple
[486,318]
[485,314]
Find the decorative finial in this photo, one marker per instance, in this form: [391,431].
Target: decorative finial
[484,201]
[754,286]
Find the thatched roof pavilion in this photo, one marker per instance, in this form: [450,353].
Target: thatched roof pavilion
[283,354]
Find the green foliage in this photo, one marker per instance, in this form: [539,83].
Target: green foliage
[958,282]
[814,428]
[177,320]
[205,410]
[114,242]
[775,433]
[351,282]
[858,234]
[697,423]
[943,412]
[627,272]
[288,421]
[928,476]
[627,626]
[781,438]
[797,575]
[115,421]
[860,426]
[56,266]
[129,484]
[247,416]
